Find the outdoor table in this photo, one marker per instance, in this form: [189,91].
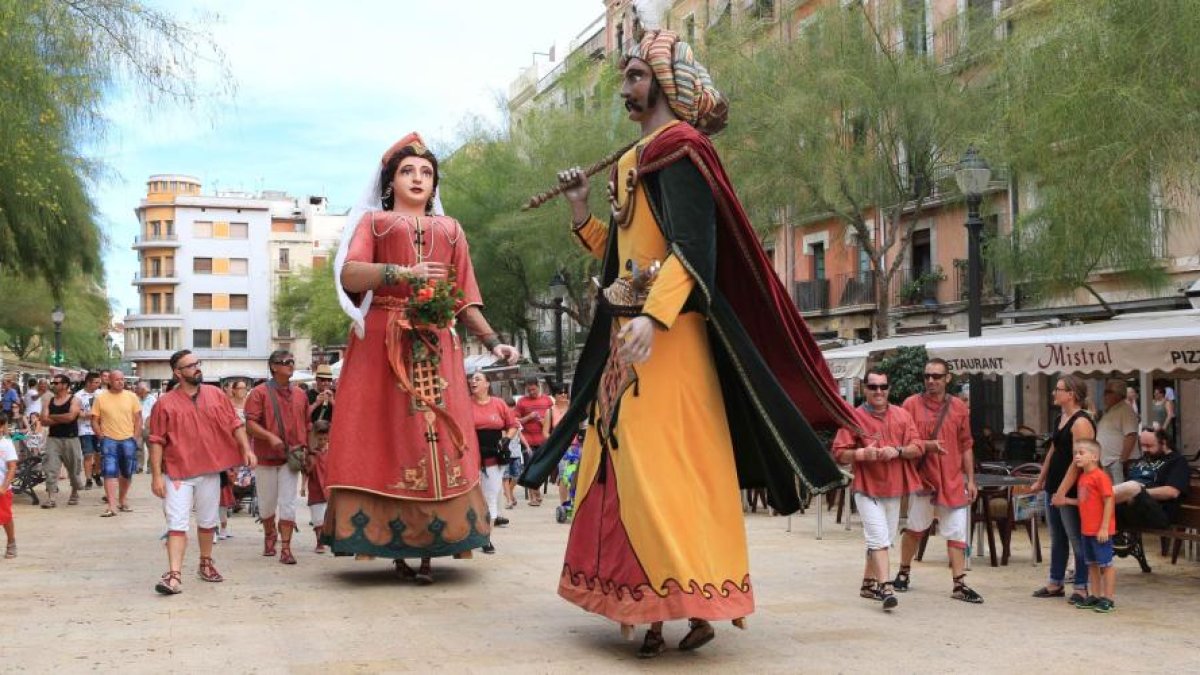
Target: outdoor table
[993,485]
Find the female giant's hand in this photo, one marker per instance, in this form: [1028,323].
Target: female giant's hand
[506,353]
[432,271]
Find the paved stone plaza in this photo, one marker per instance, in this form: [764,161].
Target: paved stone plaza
[80,598]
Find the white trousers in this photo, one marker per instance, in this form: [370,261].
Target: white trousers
[880,519]
[318,514]
[952,522]
[276,487]
[201,492]
[492,479]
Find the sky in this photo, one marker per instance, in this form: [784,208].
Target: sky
[321,90]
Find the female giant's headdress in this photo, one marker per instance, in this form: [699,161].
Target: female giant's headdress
[372,200]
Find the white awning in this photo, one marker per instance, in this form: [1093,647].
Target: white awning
[1166,342]
[851,362]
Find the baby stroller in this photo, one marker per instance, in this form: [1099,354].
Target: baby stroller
[29,469]
[243,490]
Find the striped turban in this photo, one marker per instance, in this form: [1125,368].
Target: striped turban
[686,84]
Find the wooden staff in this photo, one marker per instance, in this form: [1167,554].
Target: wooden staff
[539,199]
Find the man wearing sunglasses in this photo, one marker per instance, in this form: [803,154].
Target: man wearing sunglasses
[62,441]
[947,472]
[278,422]
[881,457]
[195,435]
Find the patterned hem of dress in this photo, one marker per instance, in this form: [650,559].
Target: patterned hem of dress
[642,605]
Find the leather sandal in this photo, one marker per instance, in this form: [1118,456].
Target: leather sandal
[48,504]
[10,551]
[169,584]
[964,592]
[207,572]
[269,546]
[888,596]
[652,645]
[1044,592]
[900,583]
[403,571]
[868,589]
[701,633]
[285,553]
[108,513]
[424,575]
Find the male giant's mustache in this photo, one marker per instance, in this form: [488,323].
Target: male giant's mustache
[633,106]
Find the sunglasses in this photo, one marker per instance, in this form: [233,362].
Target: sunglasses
[877,387]
[935,376]
[286,362]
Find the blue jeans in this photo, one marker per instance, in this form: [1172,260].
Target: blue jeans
[1065,538]
[119,458]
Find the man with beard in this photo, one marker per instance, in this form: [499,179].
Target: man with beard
[698,373]
[195,434]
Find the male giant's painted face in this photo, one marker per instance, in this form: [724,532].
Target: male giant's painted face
[639,89]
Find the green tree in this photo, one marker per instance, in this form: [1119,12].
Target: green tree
[58,60]
[1098,110]
[905,369]
[308,303]
[28,332]
[516,253]
[848,122]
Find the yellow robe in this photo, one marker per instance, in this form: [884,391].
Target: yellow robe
[659,533]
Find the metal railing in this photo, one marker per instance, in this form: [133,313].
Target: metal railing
[152,238]
[911,287]
[812,295]
[854,289]
[167,273]
[994,284]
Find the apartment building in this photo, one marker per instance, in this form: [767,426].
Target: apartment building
[210,267]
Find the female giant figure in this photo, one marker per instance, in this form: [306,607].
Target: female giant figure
[403,465]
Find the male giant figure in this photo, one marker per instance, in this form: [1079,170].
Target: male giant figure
[698,373]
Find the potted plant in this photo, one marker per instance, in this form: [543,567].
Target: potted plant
[923,288]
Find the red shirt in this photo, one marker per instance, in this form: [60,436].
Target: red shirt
[316,477]
[534,430]
[943,473]
[293,406]
[196,433]
[493,416]
[892,428]
[1094,487]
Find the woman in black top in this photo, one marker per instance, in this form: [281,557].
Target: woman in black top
[1058,480]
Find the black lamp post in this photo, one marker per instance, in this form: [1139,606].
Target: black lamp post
[972,175]
[558,292]
[58,316]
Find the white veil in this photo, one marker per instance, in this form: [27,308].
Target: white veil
[371,199]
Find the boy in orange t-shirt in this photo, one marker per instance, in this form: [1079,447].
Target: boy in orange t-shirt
[1098,524]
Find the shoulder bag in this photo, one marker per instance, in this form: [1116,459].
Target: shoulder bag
[295,455]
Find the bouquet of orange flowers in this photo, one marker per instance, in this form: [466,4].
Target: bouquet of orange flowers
[434,303]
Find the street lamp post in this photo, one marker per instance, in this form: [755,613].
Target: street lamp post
[58,316]
[972,175]
[558,291]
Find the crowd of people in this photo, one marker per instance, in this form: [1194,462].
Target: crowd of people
[1099,482]
[698,368]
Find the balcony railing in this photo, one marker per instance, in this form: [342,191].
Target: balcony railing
[163,273]
[154,310]
[912,287]
[994,284]
[155,238]
[812,295]
[854,289]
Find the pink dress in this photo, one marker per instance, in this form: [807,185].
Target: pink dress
[402,473]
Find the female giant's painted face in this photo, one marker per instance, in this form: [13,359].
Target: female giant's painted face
[414,183]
